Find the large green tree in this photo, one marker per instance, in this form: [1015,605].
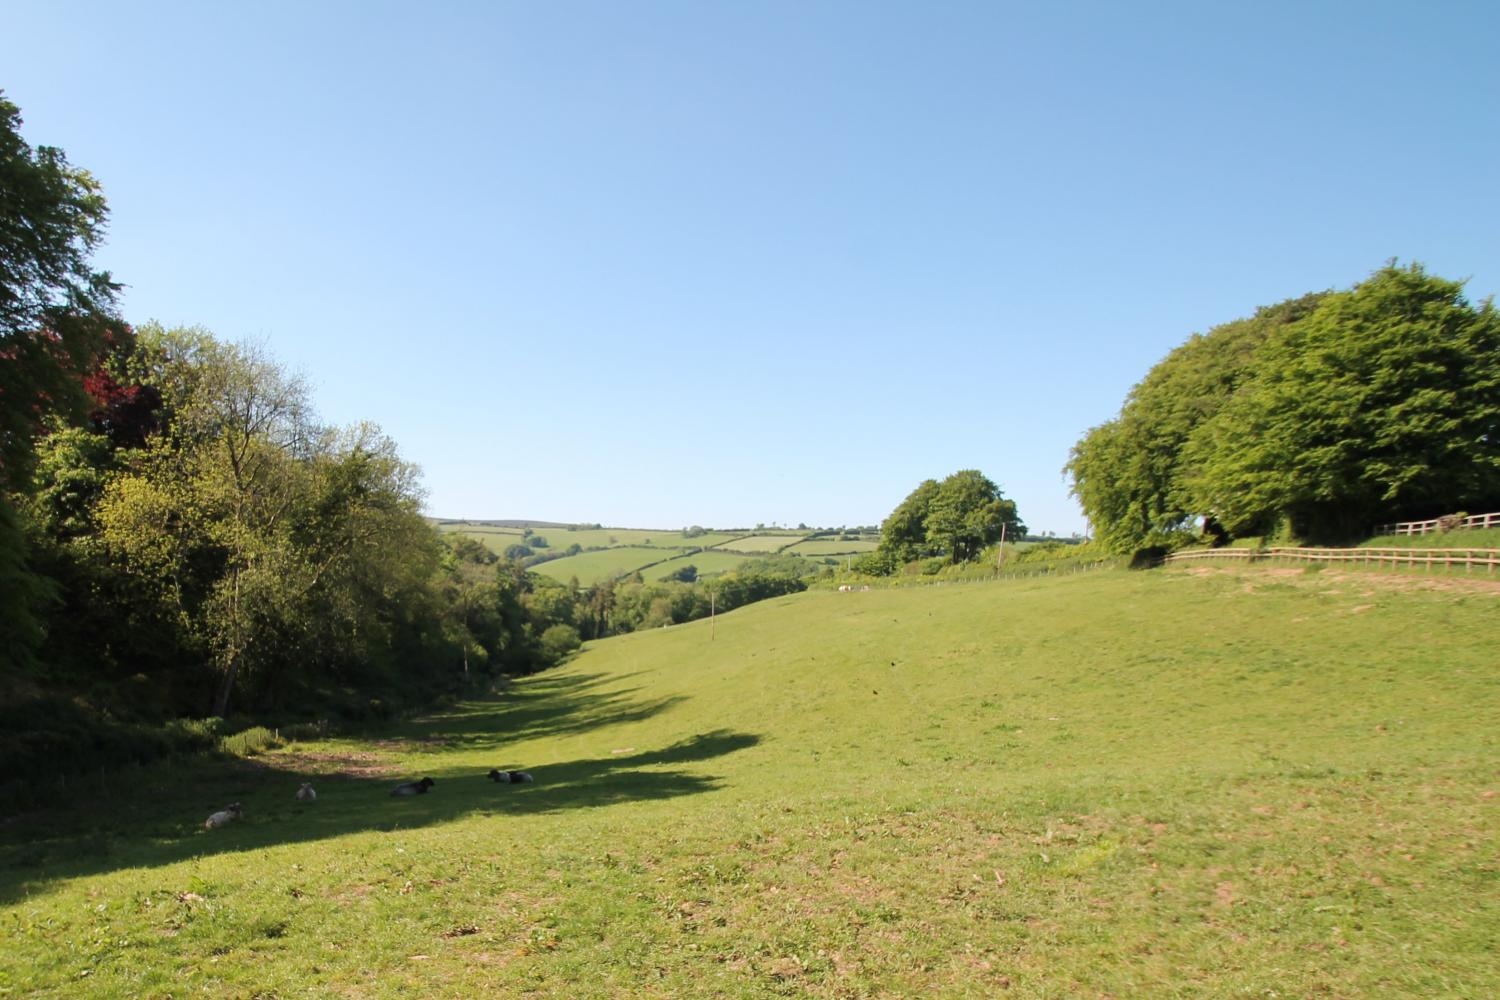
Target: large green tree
[56,311]
[1322,415]
[903,534]
[57,316]
[1129,473]
[1382,403]
[957,518]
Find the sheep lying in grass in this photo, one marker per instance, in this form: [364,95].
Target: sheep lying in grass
[509,777]
[228,814]
[306,793]
[414,787]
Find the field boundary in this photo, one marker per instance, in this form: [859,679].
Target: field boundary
[1469,559]
[1449,523]
[903,581]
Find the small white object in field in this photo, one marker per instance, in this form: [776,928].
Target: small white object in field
[226,815]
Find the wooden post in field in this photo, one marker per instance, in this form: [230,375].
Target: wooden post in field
[1000,550]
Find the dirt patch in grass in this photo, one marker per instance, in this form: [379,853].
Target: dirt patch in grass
[426,744]
[1370,580]
[1406,582]
[349,764]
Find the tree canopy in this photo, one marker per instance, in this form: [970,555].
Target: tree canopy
[1322,415]
[1384,403]
[1128,473]
[57,319]
[956,518]
[56,312]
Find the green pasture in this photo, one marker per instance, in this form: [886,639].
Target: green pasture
[1198,782]
[480,529]
[591,538]
[832,547]
[761,544]
[599,538]
[592,567]
[711,561]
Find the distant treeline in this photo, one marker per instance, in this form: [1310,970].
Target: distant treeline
[1315,419]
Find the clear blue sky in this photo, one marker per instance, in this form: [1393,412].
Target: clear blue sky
[667,263]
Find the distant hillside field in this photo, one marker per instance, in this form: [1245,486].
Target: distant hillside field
[591,567]
[600,537]
[1177,783]
[708,562]
[617,552]
[480,530]
[832,547]
[763,543]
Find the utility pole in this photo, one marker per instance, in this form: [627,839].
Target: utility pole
[1000,550]
[712,624]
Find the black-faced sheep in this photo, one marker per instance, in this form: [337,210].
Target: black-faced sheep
[414,787]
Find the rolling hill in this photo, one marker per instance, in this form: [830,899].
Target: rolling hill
[617,552]
[1210,782]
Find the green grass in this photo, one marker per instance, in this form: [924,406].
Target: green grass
[472,527]
[713,561]
[591,567]
[590,538]
[832,547]
[1207,782]
[759,544]
[1475,538]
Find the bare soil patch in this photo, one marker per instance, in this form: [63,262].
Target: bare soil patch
[349,764]
[1369,580]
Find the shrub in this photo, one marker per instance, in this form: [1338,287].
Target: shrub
[558,641]
[250,742]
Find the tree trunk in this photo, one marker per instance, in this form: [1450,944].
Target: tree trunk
[226,686]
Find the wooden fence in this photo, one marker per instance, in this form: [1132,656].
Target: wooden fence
[1468,559]
[1437,524]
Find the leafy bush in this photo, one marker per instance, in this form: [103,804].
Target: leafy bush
[250,742]
[558,641]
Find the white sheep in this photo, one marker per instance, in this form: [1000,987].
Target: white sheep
[231,812]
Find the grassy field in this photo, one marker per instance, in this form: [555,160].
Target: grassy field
[762,543]
[629,549]
[591,567]
[1477,538]
[590,538]
[1205,782]
[714,561]
[832,547]
[477,530]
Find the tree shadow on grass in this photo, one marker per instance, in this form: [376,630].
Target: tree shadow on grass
[545,706]
[150,817]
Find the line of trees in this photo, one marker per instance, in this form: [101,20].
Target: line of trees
[1314,419]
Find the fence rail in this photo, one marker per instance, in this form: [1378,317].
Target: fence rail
[1470,559]
[1449,523]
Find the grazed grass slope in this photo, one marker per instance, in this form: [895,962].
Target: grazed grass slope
[1208,783]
